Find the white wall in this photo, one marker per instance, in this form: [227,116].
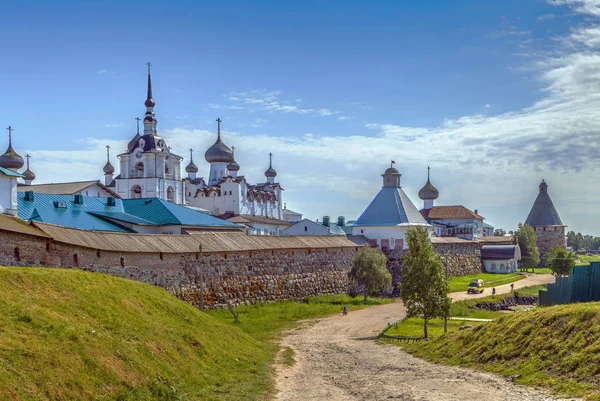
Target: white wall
[383,232]
[501,266]
[306,227]
[8,194]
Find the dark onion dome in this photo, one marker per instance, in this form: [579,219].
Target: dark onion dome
[131,144]
[391,170]
[428,192]
[233,166]
[152,143]
[219,153]
[28,175]
[191,168]
[270,172]
[108,168]
[10,159]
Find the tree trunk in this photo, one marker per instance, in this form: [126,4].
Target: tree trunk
[365,300]
[425,336]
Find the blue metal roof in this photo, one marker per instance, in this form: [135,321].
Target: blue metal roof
[44,208]
[390,207]
[94,213]
[161,212]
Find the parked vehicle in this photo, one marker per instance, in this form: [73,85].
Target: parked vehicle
[476,286]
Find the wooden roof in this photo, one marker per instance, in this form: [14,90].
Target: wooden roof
[15,224]
[65,188]
[167,243]
[450,212]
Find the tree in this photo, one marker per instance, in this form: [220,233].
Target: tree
[530,254]
[369,270]
[560,261]
[499,232]
[424,288]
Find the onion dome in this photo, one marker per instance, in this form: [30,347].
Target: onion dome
[270,171]
[191,168]
[10,159]
[28,174]
[219,152]
[108,168]
[391,170]
[233,166]
[428,192]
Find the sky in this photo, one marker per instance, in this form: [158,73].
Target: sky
[494,96]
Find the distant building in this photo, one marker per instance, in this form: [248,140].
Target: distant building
[259,225]
[389,215]
[450,221]
[500,258]
[546,222]
[86,188]
[309,227]
[290,215]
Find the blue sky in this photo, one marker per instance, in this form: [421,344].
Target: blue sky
[493,95]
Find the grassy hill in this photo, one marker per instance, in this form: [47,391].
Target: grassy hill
[556,346]
[71,335]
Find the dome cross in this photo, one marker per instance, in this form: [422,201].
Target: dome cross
[107,154]
[10,130]
[219,121]
[27,156]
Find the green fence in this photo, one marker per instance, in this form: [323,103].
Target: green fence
[583,285]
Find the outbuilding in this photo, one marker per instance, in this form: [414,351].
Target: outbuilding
[501,258]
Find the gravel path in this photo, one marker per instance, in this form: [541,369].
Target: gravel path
[337,358]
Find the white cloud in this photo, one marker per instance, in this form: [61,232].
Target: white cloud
[492,163]
[270,101]
[101,72]
[487,106]
[114,125]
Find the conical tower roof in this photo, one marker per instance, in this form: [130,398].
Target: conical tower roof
[543,212]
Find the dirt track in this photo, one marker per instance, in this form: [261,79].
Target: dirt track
[338,359]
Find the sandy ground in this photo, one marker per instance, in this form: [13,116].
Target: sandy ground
[338,358]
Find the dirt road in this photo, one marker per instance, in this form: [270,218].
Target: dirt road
[338,359]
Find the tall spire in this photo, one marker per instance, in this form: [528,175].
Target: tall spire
[149,119]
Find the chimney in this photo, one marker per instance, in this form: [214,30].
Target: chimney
[326,221]
[476,211]
[110,201]
[29,196]
[341,221]
[78,199]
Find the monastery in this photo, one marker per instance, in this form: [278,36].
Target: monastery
[151,224]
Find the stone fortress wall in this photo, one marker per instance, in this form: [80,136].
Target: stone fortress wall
[549,237]
[226,276]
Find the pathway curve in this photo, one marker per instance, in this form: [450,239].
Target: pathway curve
[338,359]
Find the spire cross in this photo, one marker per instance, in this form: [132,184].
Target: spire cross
[270,159]
[10,130]
[108,152]
[138,124]
[233,151]
[428,172]
[219,121]
[191,154]
[27,156]
[149,65]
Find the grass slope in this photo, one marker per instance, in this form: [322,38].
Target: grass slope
[461,283]
[67,334]
[558,347]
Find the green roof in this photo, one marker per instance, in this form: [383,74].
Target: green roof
[10,173]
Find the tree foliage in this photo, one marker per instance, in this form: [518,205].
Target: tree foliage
[579,241]
[369,270]
[527,240]
[424,288]
[499,232]
[560,261]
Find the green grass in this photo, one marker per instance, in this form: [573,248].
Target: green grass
[266,321]
[461,283]
[287,356]
[73,335]
[586,260]
[542,270]
[556,347]
[413,327]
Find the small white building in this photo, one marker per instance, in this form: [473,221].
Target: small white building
[309,227]
[290,215]
[10,163]
[389,215]
[501,258]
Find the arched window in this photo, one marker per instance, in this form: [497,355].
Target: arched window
[305,228]
[493,266]
[75,260]
[17,254]
[122,261]
[166,169]
[170,194]
[139,170]
[136,192]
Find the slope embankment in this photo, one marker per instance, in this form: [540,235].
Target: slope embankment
[557,347]
[72,335]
